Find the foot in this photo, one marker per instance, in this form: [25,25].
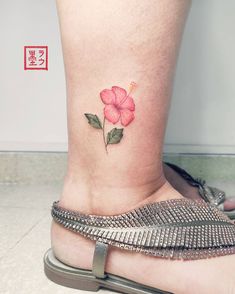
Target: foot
[183,187]
[214,275]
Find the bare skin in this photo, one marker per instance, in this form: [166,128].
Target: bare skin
[112,43]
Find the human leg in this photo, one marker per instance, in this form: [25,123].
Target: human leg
[111,43]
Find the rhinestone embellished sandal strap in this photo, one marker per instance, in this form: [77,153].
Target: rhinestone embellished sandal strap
[176,229]
[99,260]
[210,194]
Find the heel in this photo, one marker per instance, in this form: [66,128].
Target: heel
[71,280]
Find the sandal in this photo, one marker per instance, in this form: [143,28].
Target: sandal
[212,195]
[173,229]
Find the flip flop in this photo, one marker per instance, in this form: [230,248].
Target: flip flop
[212,195]
[173,229]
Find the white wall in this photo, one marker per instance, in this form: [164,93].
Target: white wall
[32,103]
[203,109]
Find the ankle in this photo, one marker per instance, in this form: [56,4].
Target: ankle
[107,199]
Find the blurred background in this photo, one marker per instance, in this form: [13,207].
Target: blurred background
[33,103]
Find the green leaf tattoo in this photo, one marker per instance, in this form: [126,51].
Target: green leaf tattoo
[93,120]
[114,136]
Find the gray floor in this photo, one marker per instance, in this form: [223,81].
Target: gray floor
[24,228]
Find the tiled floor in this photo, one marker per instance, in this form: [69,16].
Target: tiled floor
[24,230]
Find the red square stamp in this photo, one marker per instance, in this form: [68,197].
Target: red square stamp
[35,57]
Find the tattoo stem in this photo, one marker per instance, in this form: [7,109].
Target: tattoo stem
[105,144]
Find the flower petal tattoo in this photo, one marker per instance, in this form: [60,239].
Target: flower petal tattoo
[119,108]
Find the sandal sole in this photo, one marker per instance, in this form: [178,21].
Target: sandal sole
[82,279]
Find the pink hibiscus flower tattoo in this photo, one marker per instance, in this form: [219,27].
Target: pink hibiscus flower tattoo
[118,105]
[119,108]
